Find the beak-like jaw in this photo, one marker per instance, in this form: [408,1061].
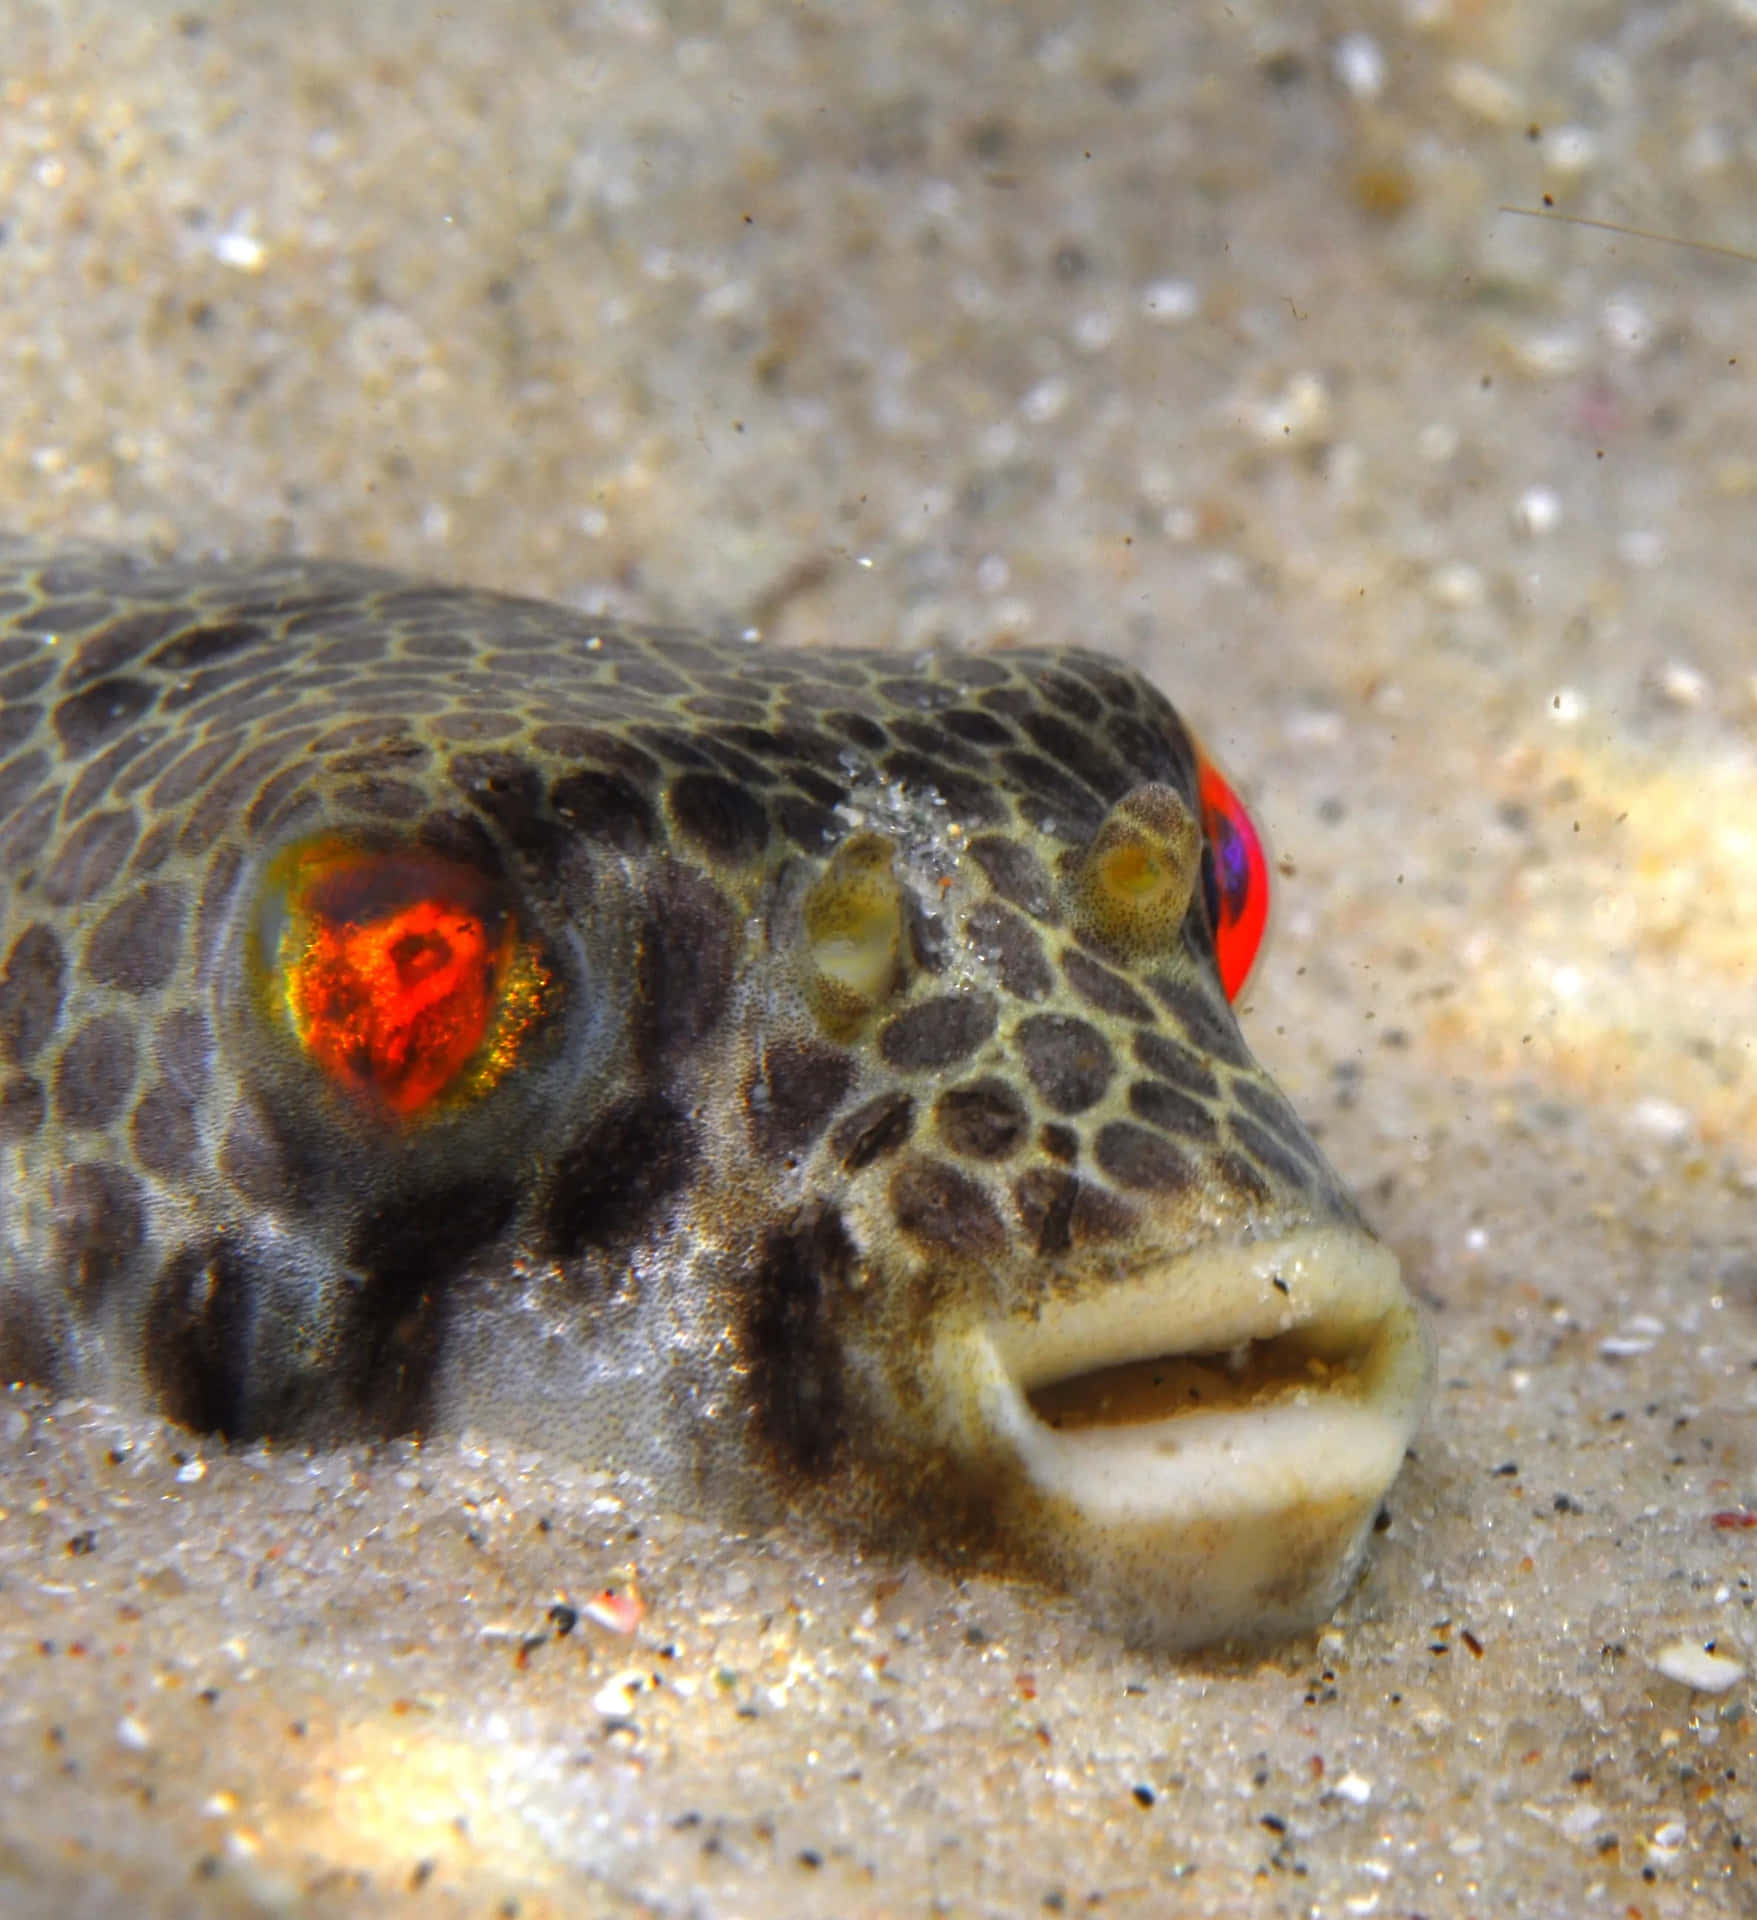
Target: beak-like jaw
[1200,1449]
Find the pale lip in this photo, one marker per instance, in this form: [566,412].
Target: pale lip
[1200,1449]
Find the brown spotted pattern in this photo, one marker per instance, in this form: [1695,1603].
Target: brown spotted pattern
[690,1231]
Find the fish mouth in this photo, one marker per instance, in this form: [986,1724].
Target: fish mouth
[1201,1448]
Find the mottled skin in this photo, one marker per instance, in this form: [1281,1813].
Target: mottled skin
[710,1223]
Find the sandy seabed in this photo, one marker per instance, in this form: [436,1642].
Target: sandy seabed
[1193,333]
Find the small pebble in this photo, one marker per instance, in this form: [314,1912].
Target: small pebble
[1683,685]
[1094,330]
[1537,511]
[1457,585]
[1359,66]
[1548,352]
[1353,1788]
[1662,1120]
[1709,149]
[1296,416]
[616,1612]
[1581,1822]
[1570,150]
[241,251]
[1626,324]
[615,1699]
[1044,401]
[1437,442]
[132,1734]
[1481,92]
[1170,300]
[1693,1665]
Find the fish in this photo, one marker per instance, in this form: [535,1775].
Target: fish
[804,1081]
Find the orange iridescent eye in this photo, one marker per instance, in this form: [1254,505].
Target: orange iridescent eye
[401,974]
[1235,879]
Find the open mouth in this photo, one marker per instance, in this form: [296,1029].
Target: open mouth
[1253,1375]
[1203,1447]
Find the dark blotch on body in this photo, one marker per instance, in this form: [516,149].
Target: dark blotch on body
[611,1184]
[99,1225]
[31,989]
[23,1106]
[1172,1061]
[1060,1211]
[1079,753]
[90,858]
[1068,1060]
[793,1342]
[944,1208]
[1015,873]
[104,771]
[606,807]
[726,820]
[1273,1114]
[1170,1110]
[1210,1027]
[1052,800]
[686,962]
[255,1158]
[985,1120]
[195,1342]
[138,944]
[411,1248]
[1133,1157]
[88,719]
[1009,942]
[1242,1180]
[871,1131]
[789,1102]
[162,1132]
[973,798]
[1270,1151]
[119,644]
[96,1073]
[510,792]
[938,1032]
[1099,987]
[201,646]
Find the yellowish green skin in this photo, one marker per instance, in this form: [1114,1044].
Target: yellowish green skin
[880,1149]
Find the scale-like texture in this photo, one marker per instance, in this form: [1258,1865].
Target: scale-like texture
[709,1217]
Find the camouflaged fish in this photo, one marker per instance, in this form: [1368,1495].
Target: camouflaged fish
[805,1080]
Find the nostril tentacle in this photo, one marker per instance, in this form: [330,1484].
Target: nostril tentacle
[1132,884]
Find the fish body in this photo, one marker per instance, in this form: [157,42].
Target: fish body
[804,1080]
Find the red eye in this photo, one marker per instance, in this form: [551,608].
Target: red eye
[1235,878]
[401,974]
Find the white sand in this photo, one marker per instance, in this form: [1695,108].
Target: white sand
[1188,332]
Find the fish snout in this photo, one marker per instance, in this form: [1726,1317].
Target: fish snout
[1199,1448]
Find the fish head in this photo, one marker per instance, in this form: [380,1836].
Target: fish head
[805,1081]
